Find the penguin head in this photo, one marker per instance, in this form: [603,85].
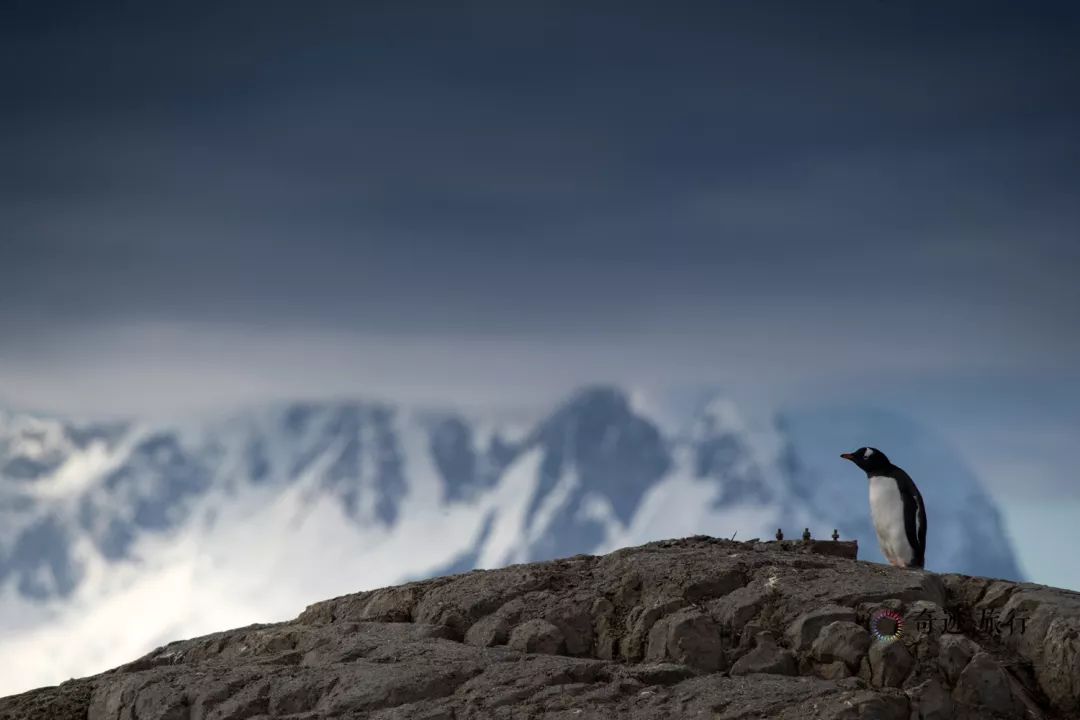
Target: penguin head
[868,459]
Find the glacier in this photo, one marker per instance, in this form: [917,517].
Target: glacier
[116,537]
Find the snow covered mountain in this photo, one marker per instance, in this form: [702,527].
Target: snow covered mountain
[117,537]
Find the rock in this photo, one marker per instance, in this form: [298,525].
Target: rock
[984,684]
[832,670]
[931,701]
[954,653]
[844,641]
[881,707]
[747,637]
[766,657]
[841,548]
[537,636]
[1042,625]
[639,634]
[890,663]
[852,683]
[804,631]
[688,637]
[639,623]
[869,705]
[1058,668]
[575,622]
[660,673]
[716,584]
[924,624]
[489,631]
[606,628]
[997,593]
[67,701]
[739,607]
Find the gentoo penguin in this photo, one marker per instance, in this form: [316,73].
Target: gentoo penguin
[896,507]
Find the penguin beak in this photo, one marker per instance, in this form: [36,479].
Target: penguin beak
[848,456]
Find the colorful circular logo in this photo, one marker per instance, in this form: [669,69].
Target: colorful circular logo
[886,625]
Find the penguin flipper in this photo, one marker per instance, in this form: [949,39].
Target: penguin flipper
[914,516]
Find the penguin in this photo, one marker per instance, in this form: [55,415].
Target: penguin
[896,506]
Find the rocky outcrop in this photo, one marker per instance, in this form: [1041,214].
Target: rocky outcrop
[698,627]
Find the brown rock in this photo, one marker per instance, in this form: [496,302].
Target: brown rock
[739,607]
[488,631]
[832,670]
[688,637]
[855,704]
[1042,625]
[871,706]
[954,653]
[804,631]
[844,641]
[983,683]
[890,663]
[537,636]
[715,585]
[432,650]
[639,622]
[931,701]
[766,657]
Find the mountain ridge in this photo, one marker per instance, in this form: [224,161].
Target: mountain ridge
[197,519]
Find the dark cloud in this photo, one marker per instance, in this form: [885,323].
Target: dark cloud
[557,171]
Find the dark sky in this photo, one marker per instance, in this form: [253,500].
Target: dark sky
[870,202]
[731,185]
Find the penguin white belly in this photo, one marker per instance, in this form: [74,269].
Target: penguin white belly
[887,511]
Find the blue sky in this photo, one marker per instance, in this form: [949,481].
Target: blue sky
[478,202]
